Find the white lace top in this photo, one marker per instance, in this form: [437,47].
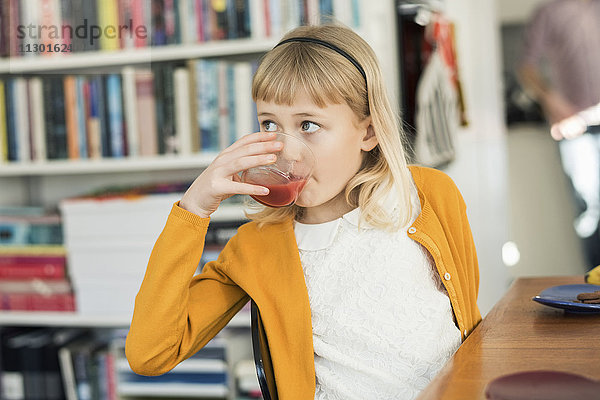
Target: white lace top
[382,322]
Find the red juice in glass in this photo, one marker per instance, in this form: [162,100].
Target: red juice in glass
[283,190]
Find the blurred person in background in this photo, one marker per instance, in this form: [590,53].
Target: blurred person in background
[560,68]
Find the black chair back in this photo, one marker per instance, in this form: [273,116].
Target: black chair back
[262,355]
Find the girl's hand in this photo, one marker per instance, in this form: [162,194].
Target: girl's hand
[220,179]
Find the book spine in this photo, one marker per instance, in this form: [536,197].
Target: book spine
[93,127]
[243,99]
[242,17]
[103,109]
[84,115]
[22,120]
[138,22]
[158,91]
[222,105]
[200,30]
[312,8]
[267,17]
[171,145]
[66,16]
[48,118]
[230,95]
[124,9]
[146,113]
[325,10]
[71,112]
[3,125]
[276,18]
[170,22]
[130,107]
[38,134]
[91,14]
[257,18]
[58,117]
[108,20]
[186,20]
[195,139]
[29,16]
[115,115]
[183,129]
[14,17]
[157,18]
[4,28]
[47,18]
[208,109]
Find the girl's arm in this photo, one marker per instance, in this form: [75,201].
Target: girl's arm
[175,313]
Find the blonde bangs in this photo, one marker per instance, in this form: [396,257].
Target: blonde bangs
[286,71]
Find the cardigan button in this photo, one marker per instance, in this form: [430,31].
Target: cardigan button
[447,276]
[412,230]
[465,332]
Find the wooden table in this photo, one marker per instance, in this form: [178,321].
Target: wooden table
[519,334]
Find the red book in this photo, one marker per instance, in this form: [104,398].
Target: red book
[29,267]
[200,19]
[13,38]
[37,302]
[138,25]
[36,295]
[267,17]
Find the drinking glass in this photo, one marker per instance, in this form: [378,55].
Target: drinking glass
[286,177]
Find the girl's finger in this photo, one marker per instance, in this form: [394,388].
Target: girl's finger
[243,163]
[250,138]
[259,148]
[246,188]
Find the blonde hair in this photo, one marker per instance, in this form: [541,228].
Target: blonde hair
[328,77]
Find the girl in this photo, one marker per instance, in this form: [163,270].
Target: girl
[366,285]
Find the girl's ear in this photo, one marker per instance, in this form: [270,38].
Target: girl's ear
[369,141]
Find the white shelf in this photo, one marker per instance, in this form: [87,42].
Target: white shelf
[95,59]
[33,318]
[172,390]
[106,165]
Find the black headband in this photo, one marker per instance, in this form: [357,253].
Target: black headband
[330,46]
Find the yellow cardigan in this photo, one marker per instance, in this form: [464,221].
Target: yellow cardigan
[176,314]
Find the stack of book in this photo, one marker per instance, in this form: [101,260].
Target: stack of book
[246,380]
[58,363]
[109,237]
[58,26]
[33,269]
[167,109]
[205,374]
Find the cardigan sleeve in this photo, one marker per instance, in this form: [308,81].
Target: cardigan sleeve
[175,313]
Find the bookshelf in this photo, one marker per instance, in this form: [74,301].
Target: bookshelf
[58,319]
[106,166]
[100,59]
[45,182]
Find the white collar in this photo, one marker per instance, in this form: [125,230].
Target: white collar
[321,236]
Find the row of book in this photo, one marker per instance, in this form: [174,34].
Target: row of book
[33,267]
[74,26]
[82,364]
[167,109]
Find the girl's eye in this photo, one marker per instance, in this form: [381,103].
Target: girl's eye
[269,126]
[309,127]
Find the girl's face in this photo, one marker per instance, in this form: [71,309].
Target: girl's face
[337,139]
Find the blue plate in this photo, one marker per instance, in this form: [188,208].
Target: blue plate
[565,297]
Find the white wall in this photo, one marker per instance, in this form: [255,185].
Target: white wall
[480,169]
